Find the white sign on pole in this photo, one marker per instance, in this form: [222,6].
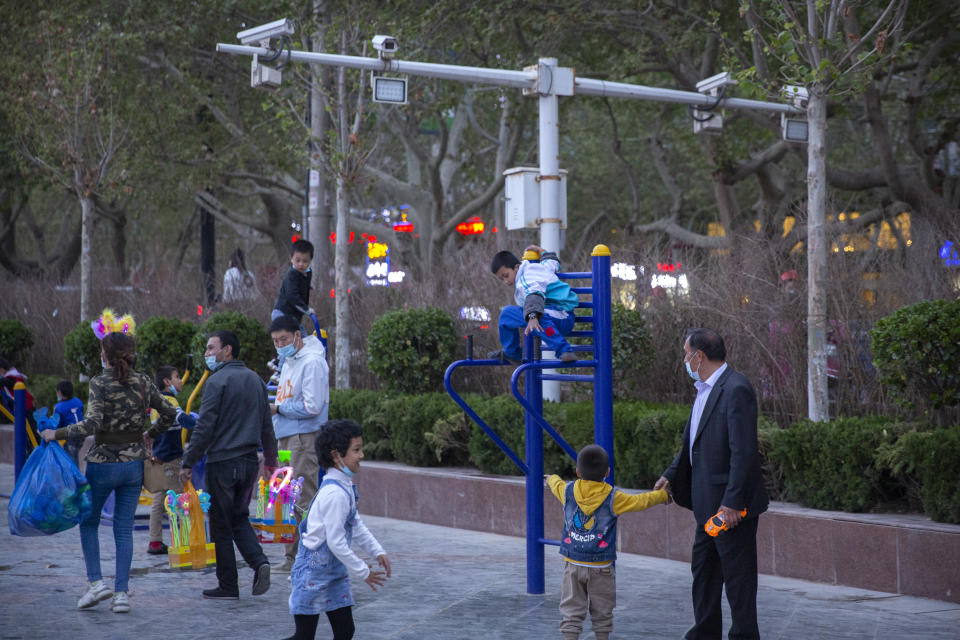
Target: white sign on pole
[314,178]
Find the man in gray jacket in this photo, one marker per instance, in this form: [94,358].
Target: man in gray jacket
[234,420]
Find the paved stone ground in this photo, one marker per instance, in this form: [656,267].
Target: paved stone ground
[447,584]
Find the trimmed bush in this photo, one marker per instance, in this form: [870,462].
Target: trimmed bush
[505,417]
[916,350]
[163,341]
[832,465]
[928,462]
[409,349]
[365,407]
[632,351]
[81,351]
[15,340]
[410,418]
[256,347]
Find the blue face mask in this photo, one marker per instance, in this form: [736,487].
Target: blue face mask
[173,390]
[690,372]
[287,351]
[212,363]
[346,471]
[106,365]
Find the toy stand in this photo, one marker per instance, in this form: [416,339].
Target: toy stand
[276,500]
[189,545]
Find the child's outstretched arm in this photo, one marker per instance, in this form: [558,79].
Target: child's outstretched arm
[557,486]
[336,509]
[624,502]
[366,541]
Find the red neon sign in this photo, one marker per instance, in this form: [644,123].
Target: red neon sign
[403,227]
[333,237]
[471,226]
[669,267]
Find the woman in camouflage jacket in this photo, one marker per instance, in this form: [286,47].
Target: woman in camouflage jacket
[117,414]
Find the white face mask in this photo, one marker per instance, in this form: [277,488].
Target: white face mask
[690,372]
[103,362]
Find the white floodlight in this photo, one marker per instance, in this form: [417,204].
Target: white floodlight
[389,90]
[266,32]
[264,77]
[793,128]
[706,119]
[386,46]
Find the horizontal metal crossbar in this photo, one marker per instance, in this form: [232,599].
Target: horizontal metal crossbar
[473,414]
[567,377]
[575,275]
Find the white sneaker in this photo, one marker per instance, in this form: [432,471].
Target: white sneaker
[96,593]
[121,602]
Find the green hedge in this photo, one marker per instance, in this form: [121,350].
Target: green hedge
[81,351]
[851,464]
[833,465]
[409,349]
[916,350]
[161,341]
[15,341]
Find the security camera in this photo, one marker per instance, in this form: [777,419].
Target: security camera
[713,85]
[264,33]
[797,96]
[386,46]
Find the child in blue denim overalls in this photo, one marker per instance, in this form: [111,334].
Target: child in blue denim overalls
[320,577]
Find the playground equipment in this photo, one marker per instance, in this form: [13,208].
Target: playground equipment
[532,368]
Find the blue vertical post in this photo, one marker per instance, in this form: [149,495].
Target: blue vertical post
[533,389]
[19,428]
[603,352]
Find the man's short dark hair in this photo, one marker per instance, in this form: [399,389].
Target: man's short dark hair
[503,259]
[5,364]
[285,323]
[593,462]
[708,341]
[302,246]
[226,338]
[335,435]
[65,387]
[164,372]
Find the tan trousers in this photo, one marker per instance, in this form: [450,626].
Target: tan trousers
[303,459]
[172,471]
[583,589]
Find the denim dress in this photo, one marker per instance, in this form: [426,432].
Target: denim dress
[319,581]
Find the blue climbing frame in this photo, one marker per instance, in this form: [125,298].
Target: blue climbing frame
[532,401]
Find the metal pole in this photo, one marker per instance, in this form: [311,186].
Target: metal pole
[509,78]
[534,448]
[603,353]
[549,151]
[19,428]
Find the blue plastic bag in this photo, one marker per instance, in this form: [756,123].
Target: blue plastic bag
[51,495]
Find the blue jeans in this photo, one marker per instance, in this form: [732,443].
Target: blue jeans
[124,478]
[511,319]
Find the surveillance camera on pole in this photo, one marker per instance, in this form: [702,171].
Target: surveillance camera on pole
[793,128]
[386,46]
[705,118]
[264,35]
[387,90]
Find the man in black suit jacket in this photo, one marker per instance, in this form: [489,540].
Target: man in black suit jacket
[720,472]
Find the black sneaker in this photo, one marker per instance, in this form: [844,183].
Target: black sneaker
[220,594]
[261,579]
[502,357]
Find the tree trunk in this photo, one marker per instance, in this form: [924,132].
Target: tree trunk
[818,408]
[318,206]
[86,266]
[341,266]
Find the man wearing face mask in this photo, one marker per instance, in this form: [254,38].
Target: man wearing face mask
[234,421]
[718,469]
[300,408]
